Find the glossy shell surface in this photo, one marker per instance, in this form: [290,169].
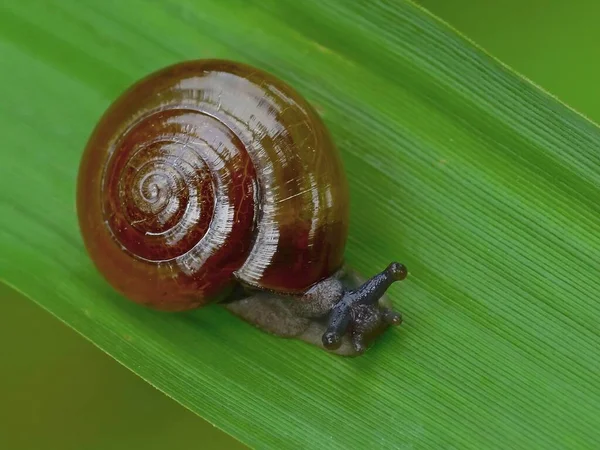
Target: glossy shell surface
[205,173]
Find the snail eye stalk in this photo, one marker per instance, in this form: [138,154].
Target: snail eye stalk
[358,310]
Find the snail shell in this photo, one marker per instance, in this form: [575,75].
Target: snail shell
[206,174]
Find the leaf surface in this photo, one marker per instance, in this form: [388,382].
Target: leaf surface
[483,185]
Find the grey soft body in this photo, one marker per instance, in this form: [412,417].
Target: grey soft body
[342,314]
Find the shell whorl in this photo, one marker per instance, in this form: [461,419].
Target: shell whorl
[178,186]
[209,172]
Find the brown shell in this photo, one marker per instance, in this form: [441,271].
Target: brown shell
[206,172]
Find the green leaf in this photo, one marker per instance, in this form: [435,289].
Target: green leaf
[485,186]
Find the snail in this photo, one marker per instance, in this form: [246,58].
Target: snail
[213,181]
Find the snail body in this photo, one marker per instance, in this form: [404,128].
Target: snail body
[213,181]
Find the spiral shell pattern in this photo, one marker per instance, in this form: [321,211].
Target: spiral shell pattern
[206,174]
[161,200]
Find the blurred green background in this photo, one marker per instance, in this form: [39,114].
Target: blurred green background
[59,391]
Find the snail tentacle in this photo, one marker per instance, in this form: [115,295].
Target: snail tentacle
[359,310]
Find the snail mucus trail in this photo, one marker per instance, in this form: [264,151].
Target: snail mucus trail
[213,181]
